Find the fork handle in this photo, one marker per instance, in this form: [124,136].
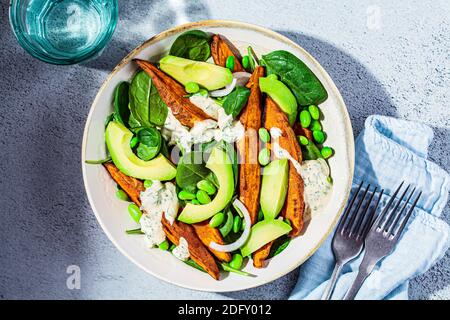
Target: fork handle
[365,269]
[332,283]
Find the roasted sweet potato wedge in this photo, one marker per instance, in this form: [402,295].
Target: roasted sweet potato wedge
[260,255]
[197,250]
[294,206]
[172,93]
[208,234]
[130,185]
[248,148]
[300,131]
[221,50]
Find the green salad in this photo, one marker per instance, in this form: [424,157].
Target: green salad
[222,155]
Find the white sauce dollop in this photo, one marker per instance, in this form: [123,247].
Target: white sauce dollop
[313,172]
[223,128]
[182,250]
[317,187]
[159,198]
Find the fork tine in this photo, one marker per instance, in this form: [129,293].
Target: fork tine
[364,219]
[394,212]
[357,214]
[400,214]
[405,220]
[341,224]
[386,208]
[372,216]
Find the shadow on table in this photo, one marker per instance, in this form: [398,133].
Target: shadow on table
[139,21]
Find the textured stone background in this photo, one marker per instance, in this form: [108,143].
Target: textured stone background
[396,65]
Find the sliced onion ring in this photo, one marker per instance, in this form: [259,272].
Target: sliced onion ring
[225,91]
[244,236]
[239,79]
[242,78]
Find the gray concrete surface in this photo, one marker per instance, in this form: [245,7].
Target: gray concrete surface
[385,57]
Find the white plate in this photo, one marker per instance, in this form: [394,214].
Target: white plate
[112,213]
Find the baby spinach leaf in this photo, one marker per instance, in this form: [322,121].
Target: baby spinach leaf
[194,264]
[227,268]
[191,169]
[121,98]
[158,109]
[149,143]
[193,44]
[140,98]
[279,245]
[303,83]
[311,151]
[133,123]
[109,119]
[236,100]
[164,148]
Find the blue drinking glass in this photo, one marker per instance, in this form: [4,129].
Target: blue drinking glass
[63,31]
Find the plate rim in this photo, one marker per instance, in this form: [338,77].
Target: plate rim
[235,24]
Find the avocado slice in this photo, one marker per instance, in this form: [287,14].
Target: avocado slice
[118,138]
[281,94]
[263,232]
[207,75]
[221,166]
[274,188]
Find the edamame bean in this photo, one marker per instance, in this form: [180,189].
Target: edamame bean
[315,125]
[192,87]
[133,142]
[195,202]
[326,152]
[122,195]
[314,111]
[206,186]
[237,224]
[135,212]
[264,157]
[245,61]
[230,63]
[305,118]
[203,92]
[164,245]
[303,140]
[186,195]
[319,136]
[217,220]
[236,261]
[203,197]
[147,183]
[264,135]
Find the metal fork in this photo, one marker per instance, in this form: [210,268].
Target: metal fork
[383,236]
[348,240]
